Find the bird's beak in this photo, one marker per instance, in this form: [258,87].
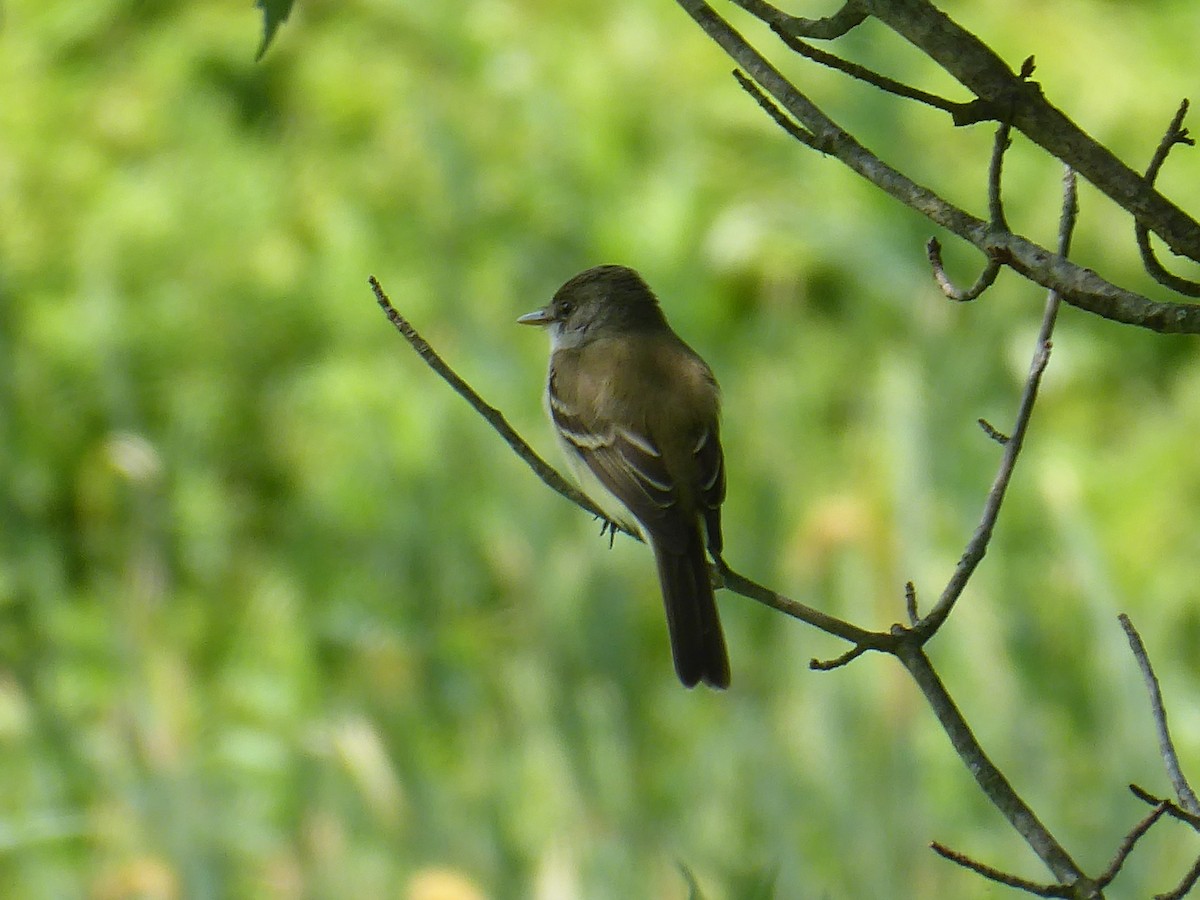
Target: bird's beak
[537,317]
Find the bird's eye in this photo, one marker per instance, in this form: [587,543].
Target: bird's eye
[565,307]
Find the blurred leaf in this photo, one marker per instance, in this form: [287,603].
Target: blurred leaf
[275,13]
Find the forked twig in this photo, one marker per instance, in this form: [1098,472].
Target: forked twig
[1175,134]
[739,584]
[933,249]
[977,546]
[1173,809]
[1077,285]
[850,16]
[1057,889]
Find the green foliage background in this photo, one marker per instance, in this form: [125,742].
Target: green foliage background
[280,617]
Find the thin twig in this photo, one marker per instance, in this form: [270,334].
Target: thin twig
[933,250]
[1185,886]
[962,113]
[1173,810]
[910,603]
[992,431]
[977,546]
[1000,145]
[1175,134]
[1166,747]
[828,665]
[1128,843]
[993,874]
[493,416]
[841,22]
[752,590]
[803,135]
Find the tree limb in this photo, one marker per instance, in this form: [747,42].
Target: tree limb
[1078,286]
[979,69]
[493,416]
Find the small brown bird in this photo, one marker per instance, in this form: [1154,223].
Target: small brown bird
[637,414]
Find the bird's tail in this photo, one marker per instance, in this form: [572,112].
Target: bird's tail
[697,642]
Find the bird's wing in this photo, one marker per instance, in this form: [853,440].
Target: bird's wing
[631,467]
[710,463]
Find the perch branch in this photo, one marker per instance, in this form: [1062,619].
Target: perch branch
[739,584]
[493,416]
[903,643]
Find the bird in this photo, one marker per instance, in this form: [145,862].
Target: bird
[637,414]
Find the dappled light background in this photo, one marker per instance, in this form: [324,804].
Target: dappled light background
[281,617]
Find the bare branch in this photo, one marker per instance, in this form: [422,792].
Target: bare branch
[828,665]
[993,874]
[1128,843]
[850,16]
[990,779]
[978,68]
[905,644]
[910,603]
[991,431]
[1166,747]
[752,590]
[963,113]
[1078,286]
[977,546]
[778,115]
[1185,886]
[933,250]
[1174,811]
[1175,134]
[494,417]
